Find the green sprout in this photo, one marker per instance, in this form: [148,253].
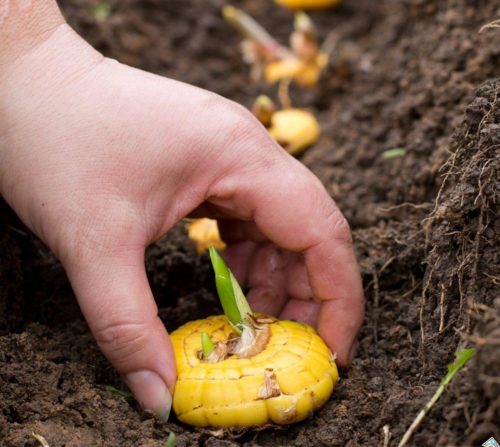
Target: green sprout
[207,345]
[396,152]
[129,397]
[233,301]
[101,10]
[170,440]
[461,358]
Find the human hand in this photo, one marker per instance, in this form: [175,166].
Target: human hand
[100,159]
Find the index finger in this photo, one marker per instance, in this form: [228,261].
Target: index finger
[292,208]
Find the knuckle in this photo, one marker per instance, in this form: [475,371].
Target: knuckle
[121,340]
[248,148]
[241,127]
[87,235]
[339,226]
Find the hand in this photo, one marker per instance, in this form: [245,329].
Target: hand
[100,159]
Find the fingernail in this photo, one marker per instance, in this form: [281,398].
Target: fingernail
[151,392]
[352,352]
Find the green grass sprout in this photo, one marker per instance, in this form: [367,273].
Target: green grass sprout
[239,296]
[101,11]
[170,440]
[207,345]
[231,296]
[129,397]
[461,358]
[391,154]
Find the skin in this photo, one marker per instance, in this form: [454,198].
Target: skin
[100,159]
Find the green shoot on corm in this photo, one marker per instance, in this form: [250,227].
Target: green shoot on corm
[231,296]
[207,345]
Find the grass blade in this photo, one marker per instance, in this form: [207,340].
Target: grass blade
[232,298]
[129,397]
[390,154]
[461,358]
[170,440]
[225,288]
[239,296]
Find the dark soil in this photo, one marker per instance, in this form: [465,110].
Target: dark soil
[414,74]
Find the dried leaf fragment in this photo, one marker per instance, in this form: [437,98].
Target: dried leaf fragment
[42,441]
[252,342]
[218,354]
[270,388]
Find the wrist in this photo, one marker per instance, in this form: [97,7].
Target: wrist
[30,84]
[23,26]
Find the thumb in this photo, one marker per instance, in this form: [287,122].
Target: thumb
[116,300]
